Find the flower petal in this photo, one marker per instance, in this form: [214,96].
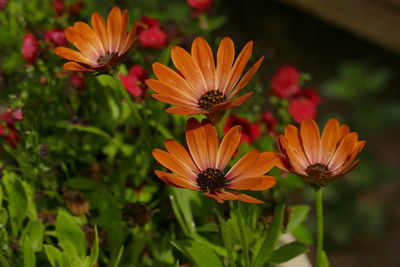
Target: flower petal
[212,142]
[345,148]
[227,195]
[239,66]
[294,140]
[100,28]
[113,28]
[195,139]
[173,163]
[174,100]
[74,66]
[214,196]
[202,54]
[169,90]
[264,163]
[87,33]
[69,54]
[243,164]
[329,140]
[310,138]
[246,78]
[185,111]
[180,152]
[81,44]
[228,146]
[253,183]
[176,180]
[298,165]
[189,68]
[225,57]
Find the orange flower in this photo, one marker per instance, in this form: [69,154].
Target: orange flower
[319,159]
[202,167]
[101,47]
[204,88]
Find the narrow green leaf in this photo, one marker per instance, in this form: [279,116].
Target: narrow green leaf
[199,254]
[3,217]
[29,254]
[67,231]
[272,238]
[88,129]
[288,252]
[303,234]
[298,215]
[324,260]
[94,253]
[119,257]
[181,198]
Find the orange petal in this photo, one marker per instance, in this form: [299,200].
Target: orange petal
[185,111]
[264,163]
[173,163]
[214,196]
[129,39]
[196,141]
[228,146]
[189,68]
[69,54]
[345,148]
[282,163]
[253,183]
[212,142]
[174,100]
[123,30]
[296,162]
[169,90]
[239,66]
[113,28]
[349,160]
[76,67]
[180,152]
[87,33]
[226,195]
[100,28]
[329,140]
[246,78]
[225,57]
[310,137]
[243,164]
[294,140]
[81,44]
[202,54]
[167,75]
[176,180]
[344,130]
[240,100]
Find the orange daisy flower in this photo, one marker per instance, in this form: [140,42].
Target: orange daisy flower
[201,168]
[101,47]
[319,159]
[204,88]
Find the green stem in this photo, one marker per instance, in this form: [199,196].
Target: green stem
[243,238]
[143,123]
[320,227]
[225,235]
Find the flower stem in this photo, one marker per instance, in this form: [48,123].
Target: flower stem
[134,110]
[320,227]
[225,235]
[243,238]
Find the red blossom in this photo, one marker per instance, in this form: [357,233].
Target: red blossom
[309,94]
[59,7]
[302,108]
[56,36]
[78,79]
[150,33]
[134,81]
[7,126]
[285,82]
[3,4]
[30,48]
[270,121]
[76,8]
[250,131]
[200,5]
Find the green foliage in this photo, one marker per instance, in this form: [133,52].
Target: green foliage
[199,254]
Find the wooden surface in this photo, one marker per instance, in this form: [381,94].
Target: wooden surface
[376,20]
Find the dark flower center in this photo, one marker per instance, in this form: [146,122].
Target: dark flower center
[211,180]
[104,60]
[318,172]
[211,98]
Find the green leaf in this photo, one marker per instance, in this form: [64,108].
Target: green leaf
[303,234]
[3,217]
[288,252]
[198,253]
[29,254]
[298,215]
[54,255]
[67,231]
[35,231]
[180,200]
[88,129]
[119,257]
[272,238]
[324,260]
[17,206]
